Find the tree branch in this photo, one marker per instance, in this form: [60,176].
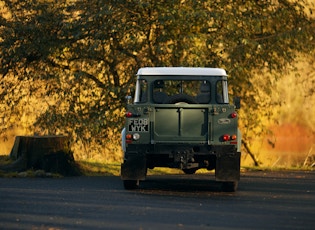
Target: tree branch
[252,155]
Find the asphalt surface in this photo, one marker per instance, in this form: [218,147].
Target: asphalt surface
[264,200]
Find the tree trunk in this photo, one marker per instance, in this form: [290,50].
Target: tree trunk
[48,153]
[252,155]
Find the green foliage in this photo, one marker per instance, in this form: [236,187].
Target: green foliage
[66,66]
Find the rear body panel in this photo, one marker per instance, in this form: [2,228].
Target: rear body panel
[181,134]
[180,124]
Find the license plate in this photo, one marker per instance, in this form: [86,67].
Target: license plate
[138,125]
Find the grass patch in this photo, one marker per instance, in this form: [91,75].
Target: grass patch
[94,168]
[279,168]
[91,168]
[164,171]
[30,174]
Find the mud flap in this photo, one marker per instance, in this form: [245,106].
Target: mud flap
[228,167]
[134,168]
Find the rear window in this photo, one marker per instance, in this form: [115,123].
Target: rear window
[190,91]
[221,92]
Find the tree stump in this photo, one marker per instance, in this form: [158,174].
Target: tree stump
[48,153]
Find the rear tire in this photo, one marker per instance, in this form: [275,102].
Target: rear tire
[230,186]
[131,184]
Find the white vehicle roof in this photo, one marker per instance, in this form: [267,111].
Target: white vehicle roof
[197,71]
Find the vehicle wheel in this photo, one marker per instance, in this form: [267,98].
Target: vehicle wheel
[181,98]
[190,171]
[131,184]
[230,186]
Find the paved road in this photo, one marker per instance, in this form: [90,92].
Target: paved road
[265,200]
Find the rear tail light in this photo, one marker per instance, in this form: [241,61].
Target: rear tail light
[130,114]
[132,137]
[226,137]
[233,115]
[231,138]
[128,138]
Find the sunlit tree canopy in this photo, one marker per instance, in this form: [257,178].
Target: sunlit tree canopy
[66,66]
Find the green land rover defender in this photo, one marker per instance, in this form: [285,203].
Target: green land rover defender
[181,117]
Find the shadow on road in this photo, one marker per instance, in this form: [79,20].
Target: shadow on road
[182,185]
